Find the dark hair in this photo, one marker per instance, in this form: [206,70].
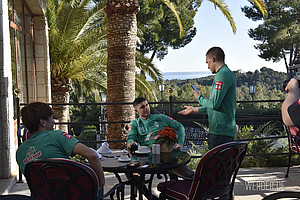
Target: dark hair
[33,113]
[217,52]
[138,101]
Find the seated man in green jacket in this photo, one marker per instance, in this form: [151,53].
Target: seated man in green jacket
[48,143]
[144,130]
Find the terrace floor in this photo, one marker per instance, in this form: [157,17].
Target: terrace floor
[251,183]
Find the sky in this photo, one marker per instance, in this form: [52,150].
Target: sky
[213,29]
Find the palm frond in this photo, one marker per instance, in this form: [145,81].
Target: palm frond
[225,10]
[95,18]
[143,87]
[145,64]
[261,6]
[173,9]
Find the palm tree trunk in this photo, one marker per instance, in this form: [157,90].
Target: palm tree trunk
[121,48]
[60,94]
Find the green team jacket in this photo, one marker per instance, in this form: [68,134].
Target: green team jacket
[46,144]
[144,132]
[221,105]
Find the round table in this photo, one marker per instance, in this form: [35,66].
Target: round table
[158,164]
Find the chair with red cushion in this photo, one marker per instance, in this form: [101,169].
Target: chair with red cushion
[214,176]
[64,179]
[294,144]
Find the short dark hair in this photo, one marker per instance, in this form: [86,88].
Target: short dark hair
[217,52]
[33,113]
[138,101]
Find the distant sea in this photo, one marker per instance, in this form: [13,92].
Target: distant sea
[183,75]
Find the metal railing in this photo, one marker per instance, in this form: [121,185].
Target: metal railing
[193,131]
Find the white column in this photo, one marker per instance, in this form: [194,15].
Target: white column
[7,139]
[42,60]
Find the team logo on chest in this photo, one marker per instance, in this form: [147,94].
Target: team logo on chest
[156,124]
[151,136]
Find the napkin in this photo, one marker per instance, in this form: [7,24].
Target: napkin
[104,148]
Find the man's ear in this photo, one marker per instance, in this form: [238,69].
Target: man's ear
[136,111]
[213,58]
[42,122]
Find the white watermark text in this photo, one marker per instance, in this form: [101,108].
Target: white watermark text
[264,185]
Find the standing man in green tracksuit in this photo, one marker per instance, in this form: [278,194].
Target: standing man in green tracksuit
[221,105]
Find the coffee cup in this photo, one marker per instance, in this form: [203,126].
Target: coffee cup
[124,157]
[143,149]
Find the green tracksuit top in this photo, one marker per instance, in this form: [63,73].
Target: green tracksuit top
[221,105]
[144,132]
[46,144]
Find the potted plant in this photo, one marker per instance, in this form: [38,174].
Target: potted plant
[167,138]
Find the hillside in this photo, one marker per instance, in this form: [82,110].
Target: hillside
[265,76]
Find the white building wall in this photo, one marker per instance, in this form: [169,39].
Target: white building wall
[7,147]
[8,138]
[42,60]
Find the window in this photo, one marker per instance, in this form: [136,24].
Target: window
[22,50]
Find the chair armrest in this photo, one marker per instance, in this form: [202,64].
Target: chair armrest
[183,177]
[112,190]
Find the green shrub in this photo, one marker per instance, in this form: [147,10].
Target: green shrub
[197,151]
[88,134]
[267,146]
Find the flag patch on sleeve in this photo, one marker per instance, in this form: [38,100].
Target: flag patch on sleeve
[170,118]
[219,85]
[66,135]
[130,128]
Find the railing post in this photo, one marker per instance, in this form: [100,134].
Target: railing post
[171,102]
[83,116]
[17,93]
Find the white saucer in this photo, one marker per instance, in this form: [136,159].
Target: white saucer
[124,160]
[142,152]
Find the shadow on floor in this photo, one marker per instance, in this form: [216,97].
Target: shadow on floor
[251,183]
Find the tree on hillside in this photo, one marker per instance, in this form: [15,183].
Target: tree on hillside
[279,33]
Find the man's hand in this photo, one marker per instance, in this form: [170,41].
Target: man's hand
[196,94]
[188,110]
[129,145]
[177,146]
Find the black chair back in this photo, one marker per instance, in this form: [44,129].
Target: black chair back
[57,179]
[217,170]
